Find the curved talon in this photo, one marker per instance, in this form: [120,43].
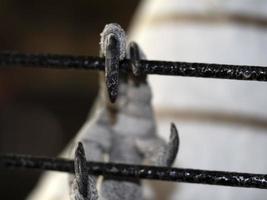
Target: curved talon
[173,145]
[135,56]
[157,151]
[81,172]
[113,47]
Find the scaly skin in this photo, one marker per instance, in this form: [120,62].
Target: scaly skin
[136,123]
[131,139]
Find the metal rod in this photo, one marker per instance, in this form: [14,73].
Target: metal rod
[233,179]
[203,70]
[53,61]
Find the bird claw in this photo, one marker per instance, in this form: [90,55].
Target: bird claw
[113,47]
[135,54]
[173,145]
[83,186]
[158,152]
[81,172]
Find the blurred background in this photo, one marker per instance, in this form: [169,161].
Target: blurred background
[40,110]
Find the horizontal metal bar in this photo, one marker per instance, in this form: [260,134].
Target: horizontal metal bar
[234,179]
[203,70]
[53,61]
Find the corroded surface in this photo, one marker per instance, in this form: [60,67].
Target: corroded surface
[204,70]
[234,179]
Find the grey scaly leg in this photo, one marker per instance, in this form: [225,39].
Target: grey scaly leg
[96,135]
[135,120]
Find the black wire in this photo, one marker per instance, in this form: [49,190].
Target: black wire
[146,67]
[203,70]
[234,179]
[51,61]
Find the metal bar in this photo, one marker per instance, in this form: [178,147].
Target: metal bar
[53,61]
[203,70]
[233,179]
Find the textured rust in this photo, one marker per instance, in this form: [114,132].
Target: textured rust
[202,70]
[234,179]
